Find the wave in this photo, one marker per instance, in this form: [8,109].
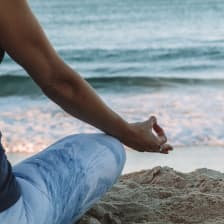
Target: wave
[193,61]
[11,85]
[144,55]
[24,86]
[141,55]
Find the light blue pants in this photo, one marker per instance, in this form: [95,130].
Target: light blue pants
[62,182]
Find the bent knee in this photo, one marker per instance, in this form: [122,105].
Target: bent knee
[106,142]
[98,148]
[116,147]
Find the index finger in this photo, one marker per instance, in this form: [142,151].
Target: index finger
[161,136]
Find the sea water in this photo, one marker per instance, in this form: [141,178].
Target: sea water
[146,57]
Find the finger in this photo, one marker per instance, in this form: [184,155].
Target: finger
[165,149]
[161,134]
[169,147]
[152,120]
[158,129]
[153,144]
[164,152]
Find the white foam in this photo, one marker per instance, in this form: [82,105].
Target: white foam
[190,116]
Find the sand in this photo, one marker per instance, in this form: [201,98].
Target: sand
[162,196]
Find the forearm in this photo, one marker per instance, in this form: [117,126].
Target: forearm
[70,91]
[32,50]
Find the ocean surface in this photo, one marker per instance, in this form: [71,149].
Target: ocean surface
[146,57]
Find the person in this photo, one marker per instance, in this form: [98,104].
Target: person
[62,182]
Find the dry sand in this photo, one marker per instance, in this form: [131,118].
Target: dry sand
[162,196]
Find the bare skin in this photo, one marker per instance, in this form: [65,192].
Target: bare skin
[23,39]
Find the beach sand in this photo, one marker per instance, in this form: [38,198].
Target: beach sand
[162,196]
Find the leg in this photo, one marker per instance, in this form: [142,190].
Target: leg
[61,183]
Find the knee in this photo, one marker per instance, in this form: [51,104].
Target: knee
[104,146]
[107,142]
[99,153]
[117,149]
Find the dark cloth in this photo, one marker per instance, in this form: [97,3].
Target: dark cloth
[10,190]
[2,53]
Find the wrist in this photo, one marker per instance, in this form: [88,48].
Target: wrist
[127,134]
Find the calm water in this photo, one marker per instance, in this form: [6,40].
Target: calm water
[162,57]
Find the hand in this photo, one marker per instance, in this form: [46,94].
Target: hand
[148,136]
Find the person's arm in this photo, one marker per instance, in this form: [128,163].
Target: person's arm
[24,40]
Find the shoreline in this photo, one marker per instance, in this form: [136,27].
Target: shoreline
[183,159]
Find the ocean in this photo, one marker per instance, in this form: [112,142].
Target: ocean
[146,57]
